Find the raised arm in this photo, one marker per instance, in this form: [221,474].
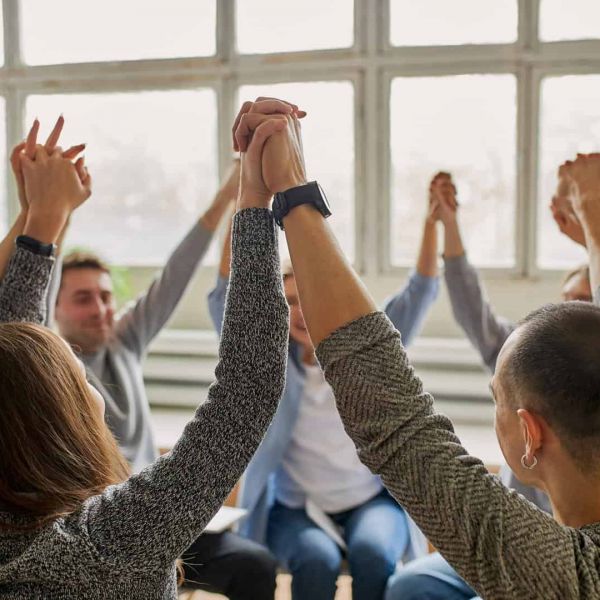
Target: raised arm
[154,516]
[29,148]
[143,320]
[500,543]
[216,297]
[472,310]
[408,308]
[54,189]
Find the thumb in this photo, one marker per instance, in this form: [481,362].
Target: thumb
[262,133]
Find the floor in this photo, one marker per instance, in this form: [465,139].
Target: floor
[282,593]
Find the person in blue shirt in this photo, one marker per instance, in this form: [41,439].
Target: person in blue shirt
[309,498]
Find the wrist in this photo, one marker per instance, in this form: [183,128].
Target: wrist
[45,227]
[250,200]
[288,184]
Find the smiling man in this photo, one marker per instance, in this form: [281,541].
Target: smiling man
[113,346]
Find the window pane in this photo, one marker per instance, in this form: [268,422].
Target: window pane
[67,31]
[265,26]
[328,136]
[465,125]
[569,20]
[569,123]
[153,159]
[441,22]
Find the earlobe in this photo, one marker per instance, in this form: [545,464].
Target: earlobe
[531,428]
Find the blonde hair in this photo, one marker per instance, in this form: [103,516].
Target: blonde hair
[55,448]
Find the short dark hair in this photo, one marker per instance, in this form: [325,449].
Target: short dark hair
[556,366]
[79,259]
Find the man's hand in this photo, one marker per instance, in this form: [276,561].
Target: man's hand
[583,175]
[566,219]
[442,197]
[255,124]
[283,158]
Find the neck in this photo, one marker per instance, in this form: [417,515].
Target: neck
[308,355]
[574,496]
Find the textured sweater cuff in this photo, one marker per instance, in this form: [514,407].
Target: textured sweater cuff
[254,234]
[355,336]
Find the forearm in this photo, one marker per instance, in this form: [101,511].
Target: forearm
[427,263]
[330,292]
[472,310]
[453,245]
[24,287]
[139,324]
[225,262]
[7,245]
[215,212]
[161,511]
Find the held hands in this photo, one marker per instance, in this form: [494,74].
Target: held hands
[563,213]
[28,148]
[267,134]
[51,186]
[443,204]
[583,177]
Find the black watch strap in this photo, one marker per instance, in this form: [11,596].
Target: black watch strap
[309,193]
[35,246]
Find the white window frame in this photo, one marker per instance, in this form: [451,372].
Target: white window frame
[370,65]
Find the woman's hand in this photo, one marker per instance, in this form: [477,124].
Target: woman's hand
[29,146]
[53,186]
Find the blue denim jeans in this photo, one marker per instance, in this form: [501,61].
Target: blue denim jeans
[375,532]
[428,578]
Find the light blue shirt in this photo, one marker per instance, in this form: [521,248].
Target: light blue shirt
[407,310]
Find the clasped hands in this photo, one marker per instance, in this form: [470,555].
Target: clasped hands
[576,204]
[268,136]
[49,183]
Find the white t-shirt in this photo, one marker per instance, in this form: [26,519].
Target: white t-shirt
[321,463]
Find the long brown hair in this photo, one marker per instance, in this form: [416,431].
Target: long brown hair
[55,449]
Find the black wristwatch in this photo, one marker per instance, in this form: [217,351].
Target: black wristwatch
[35,246]
[309,193]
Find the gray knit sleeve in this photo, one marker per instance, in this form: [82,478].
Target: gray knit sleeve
[472,310]
[154,516]
[25,286]
[142,320]
[500,543]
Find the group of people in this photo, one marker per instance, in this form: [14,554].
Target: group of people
[315,406]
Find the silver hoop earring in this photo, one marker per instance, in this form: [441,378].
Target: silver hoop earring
[525,465]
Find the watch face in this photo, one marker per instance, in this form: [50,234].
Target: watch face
[325,208]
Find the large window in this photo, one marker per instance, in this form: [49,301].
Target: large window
[464,124]
[439,22]
[498,92]
[67,31]
[152,173]
[570,123]
[266,26]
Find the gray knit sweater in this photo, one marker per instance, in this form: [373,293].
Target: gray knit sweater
[123,543]
[503,546]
